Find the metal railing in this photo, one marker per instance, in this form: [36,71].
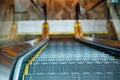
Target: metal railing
[39,9]
[77,7]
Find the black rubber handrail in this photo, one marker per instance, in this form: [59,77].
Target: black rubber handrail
[15,62]
[35,6]
[77,11]
[24,62]
[109,49]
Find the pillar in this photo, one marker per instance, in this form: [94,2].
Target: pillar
[45,30]
[13,31]
[78,30]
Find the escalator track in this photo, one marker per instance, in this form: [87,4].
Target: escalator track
[72,60]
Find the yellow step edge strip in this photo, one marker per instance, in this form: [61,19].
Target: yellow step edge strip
[31,59]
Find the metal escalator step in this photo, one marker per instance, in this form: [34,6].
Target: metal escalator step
[87,68]
[52,68]
[73,68]
[108,68]
[27,77]
[90,77]
[51,77]
[76,61]
[73,61]
[99,76]
[118,67]
[76,76]
[30,70]
[110,77]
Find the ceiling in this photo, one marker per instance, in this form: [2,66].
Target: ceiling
[57,10]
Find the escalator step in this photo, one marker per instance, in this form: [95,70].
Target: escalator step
[73,68]
[85,76]
[51,77]
[73,61]
[27,77]
[76,61]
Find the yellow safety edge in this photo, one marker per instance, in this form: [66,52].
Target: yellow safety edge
[31,59]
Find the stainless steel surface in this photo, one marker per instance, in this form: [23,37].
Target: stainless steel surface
[70,60]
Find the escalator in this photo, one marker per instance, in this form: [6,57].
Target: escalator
[72,60]
[67,58]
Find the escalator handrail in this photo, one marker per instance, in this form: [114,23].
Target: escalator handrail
[109,49]
[94,6]
[23,54]
[39,11]
[35,6]
[16,60]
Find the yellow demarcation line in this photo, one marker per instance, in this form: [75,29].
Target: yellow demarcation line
[31,59]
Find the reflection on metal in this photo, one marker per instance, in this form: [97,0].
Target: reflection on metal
[9,52]
[45,31]
[13,31]
[78,29]
[111,30]
[114,1]
[39,10]
[114,17]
